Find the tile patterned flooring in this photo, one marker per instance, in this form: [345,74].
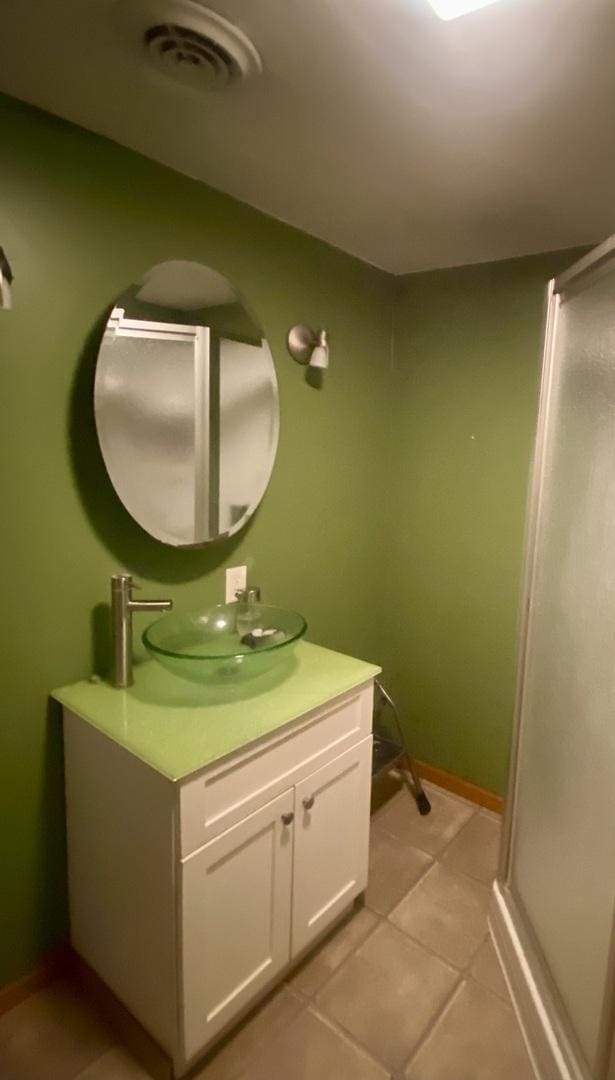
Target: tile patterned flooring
[408,988]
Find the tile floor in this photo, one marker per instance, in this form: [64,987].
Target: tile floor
[409,988]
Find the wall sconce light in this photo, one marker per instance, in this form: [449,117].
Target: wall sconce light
[6,278]
[308,346]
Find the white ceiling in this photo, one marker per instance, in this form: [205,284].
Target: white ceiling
[408,141]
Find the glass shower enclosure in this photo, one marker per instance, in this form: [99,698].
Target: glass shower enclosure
[555,895]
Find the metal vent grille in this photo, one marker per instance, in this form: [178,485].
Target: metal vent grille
[194,56]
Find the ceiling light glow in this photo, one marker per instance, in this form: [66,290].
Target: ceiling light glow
[452,9]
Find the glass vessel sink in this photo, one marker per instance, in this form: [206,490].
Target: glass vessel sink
[225,643]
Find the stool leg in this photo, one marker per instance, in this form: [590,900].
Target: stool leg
[409,773]
[413,782]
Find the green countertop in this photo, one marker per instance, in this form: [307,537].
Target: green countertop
[177,726]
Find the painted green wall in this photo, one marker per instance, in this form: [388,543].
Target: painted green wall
[80,219]
[465,384]
[395,512]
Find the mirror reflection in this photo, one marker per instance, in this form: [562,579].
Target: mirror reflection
[186,405]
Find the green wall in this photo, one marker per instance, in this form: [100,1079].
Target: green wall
[80,219]
[465,384]
[395,512]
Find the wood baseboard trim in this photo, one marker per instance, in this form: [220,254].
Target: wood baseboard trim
[48,968]
[66,963]
[458,786]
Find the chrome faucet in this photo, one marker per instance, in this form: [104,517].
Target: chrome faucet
[122,608]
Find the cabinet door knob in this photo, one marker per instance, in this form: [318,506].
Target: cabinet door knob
[287,819]
[308,803]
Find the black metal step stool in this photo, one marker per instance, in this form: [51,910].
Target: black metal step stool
[390,752]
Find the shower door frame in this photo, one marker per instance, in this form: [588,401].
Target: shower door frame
[206,443]
[553,1045]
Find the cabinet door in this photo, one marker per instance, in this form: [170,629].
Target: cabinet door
[331,841]
[235,908]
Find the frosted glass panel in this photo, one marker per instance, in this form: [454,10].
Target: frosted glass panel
[248,427]
[145,410]
[563,865]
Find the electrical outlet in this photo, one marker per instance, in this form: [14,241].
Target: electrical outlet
[236,578]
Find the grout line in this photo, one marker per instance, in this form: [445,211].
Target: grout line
[296,991]
[414,941]
[458,833]
[425,874]
[272,1034]
[452,869]
[434,855]
[378,827]
[488,990]
[448,1004]
[340,1030]
[95,1061]
[448,870]
[310,997]
[433,1023]
[337,1026]
[461,971]
[380,920]
[418,882]
[462,976]
[464,874]
[466,969]
[402,840]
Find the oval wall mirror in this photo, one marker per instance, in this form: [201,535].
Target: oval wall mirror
[186,405]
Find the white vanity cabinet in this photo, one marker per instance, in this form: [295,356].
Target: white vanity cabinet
[189,898]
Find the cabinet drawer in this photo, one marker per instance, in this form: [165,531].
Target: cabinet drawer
[218,798]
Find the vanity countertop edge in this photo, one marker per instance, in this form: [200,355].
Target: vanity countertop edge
[178,727]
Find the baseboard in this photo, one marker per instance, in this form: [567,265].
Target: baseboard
[458,786]
[49,967]
[551,1046]
[65,963]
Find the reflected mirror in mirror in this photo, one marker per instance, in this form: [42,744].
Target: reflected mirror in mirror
[186,405]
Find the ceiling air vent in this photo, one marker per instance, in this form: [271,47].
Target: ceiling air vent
[190,43]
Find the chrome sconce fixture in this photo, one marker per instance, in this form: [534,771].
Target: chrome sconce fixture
[308,346]
[6,280]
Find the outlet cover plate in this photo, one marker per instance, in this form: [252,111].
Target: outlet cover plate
[236,578]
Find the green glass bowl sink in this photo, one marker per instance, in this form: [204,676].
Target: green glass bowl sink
[224,644]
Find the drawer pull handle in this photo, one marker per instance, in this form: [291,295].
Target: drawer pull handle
[287,819]
[308,803]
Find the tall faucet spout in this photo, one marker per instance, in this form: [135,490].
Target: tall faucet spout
[150,605]
[122,609]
